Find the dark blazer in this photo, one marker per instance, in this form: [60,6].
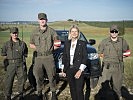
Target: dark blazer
[80,55]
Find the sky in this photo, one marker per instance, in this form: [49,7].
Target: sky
[61,10]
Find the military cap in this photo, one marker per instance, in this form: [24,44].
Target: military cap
[114,27]
[14,30]
[42,16]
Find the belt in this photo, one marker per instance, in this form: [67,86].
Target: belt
[44,54]
[106,63]
[14,60]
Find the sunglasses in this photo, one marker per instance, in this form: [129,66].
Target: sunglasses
[114,31]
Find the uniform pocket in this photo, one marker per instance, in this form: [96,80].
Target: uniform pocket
[107,51]
[37,40]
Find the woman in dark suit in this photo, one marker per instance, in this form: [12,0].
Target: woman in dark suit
[74,63]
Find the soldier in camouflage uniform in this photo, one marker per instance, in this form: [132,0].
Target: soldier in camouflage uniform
[42,40]
[112,49]
[14,52]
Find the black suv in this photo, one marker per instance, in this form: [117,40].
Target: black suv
[93,63]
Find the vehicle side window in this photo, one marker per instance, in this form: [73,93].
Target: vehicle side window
[63,37]
[82,38]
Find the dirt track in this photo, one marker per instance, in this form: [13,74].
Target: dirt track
[63,92]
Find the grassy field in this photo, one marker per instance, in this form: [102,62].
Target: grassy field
[91,32]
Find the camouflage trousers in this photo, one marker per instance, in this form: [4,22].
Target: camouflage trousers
[44,63]
[113,72]
[18,70]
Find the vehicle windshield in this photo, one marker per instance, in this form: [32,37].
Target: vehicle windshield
[63,36]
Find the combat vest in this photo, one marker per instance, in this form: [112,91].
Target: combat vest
[15,50]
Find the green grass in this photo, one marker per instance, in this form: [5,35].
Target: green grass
[90,32]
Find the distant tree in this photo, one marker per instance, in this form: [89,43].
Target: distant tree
[70,20]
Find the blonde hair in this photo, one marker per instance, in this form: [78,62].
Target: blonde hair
[76,27]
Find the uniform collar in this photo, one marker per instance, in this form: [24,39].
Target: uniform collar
[43,31]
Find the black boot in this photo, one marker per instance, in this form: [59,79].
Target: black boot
[54,97]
